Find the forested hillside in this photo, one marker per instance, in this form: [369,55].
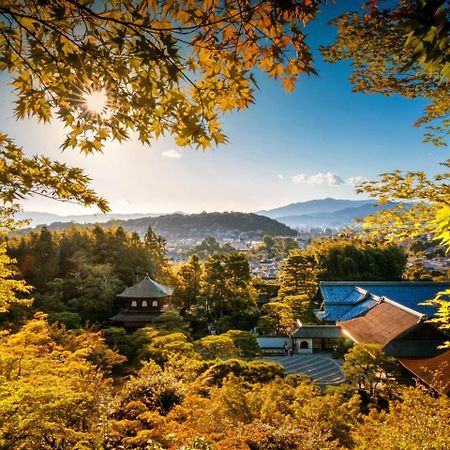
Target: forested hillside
[200,226]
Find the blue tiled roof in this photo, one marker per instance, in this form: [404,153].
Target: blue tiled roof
[340,311]
[410,295]
[359,309]
[346,300]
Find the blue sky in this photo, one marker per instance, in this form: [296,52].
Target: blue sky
[312,143]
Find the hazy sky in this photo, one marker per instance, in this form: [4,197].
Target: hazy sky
[313,143]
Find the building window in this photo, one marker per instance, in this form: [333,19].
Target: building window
[134,304]
[155,303]
[304,345]
[144,303]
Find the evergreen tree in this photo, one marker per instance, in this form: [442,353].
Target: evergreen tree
[229,292]
[156,248]
[350,258]
[277,318]
[297,275]
[46,259]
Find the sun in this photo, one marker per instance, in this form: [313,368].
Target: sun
[96,101]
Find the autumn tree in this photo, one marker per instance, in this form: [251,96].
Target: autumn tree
[188,285]
[400,48]
[163,347]
[52,392]
[140,408]
[245,342]
[367,368]
[23,176]
[416,420]
[156,67]
[216,346]
[11,289]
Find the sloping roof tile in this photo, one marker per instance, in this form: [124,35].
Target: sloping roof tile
[359,309]
[381,324]
[414,348]
[147,288]
[339,295]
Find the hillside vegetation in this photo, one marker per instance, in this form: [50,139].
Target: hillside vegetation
[200,226]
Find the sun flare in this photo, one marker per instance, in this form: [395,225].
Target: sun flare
[96,101]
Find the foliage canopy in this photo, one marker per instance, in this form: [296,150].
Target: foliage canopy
[171,66]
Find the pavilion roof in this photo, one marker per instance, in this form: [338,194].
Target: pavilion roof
[147,288]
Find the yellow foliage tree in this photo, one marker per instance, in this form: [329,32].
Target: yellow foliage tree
[51,396]
[10,287]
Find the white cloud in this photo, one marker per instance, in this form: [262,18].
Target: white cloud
[329,178]
[280,176]
[300,178]
[353,181]
[172,154]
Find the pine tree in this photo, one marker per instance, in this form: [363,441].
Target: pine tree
[46,259]
[297,276]
[156,246]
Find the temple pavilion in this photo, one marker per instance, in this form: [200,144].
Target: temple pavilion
[143,302]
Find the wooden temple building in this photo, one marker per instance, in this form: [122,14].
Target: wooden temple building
[393,315]
[142,303]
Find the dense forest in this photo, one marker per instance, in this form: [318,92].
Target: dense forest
[176,386]
[77,273]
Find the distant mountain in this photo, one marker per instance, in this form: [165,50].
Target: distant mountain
[328,212]
[43,218]
[313,207]
[333,219]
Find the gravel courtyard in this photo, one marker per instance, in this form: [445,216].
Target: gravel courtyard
[323,369]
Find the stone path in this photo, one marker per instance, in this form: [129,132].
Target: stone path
[323,369]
